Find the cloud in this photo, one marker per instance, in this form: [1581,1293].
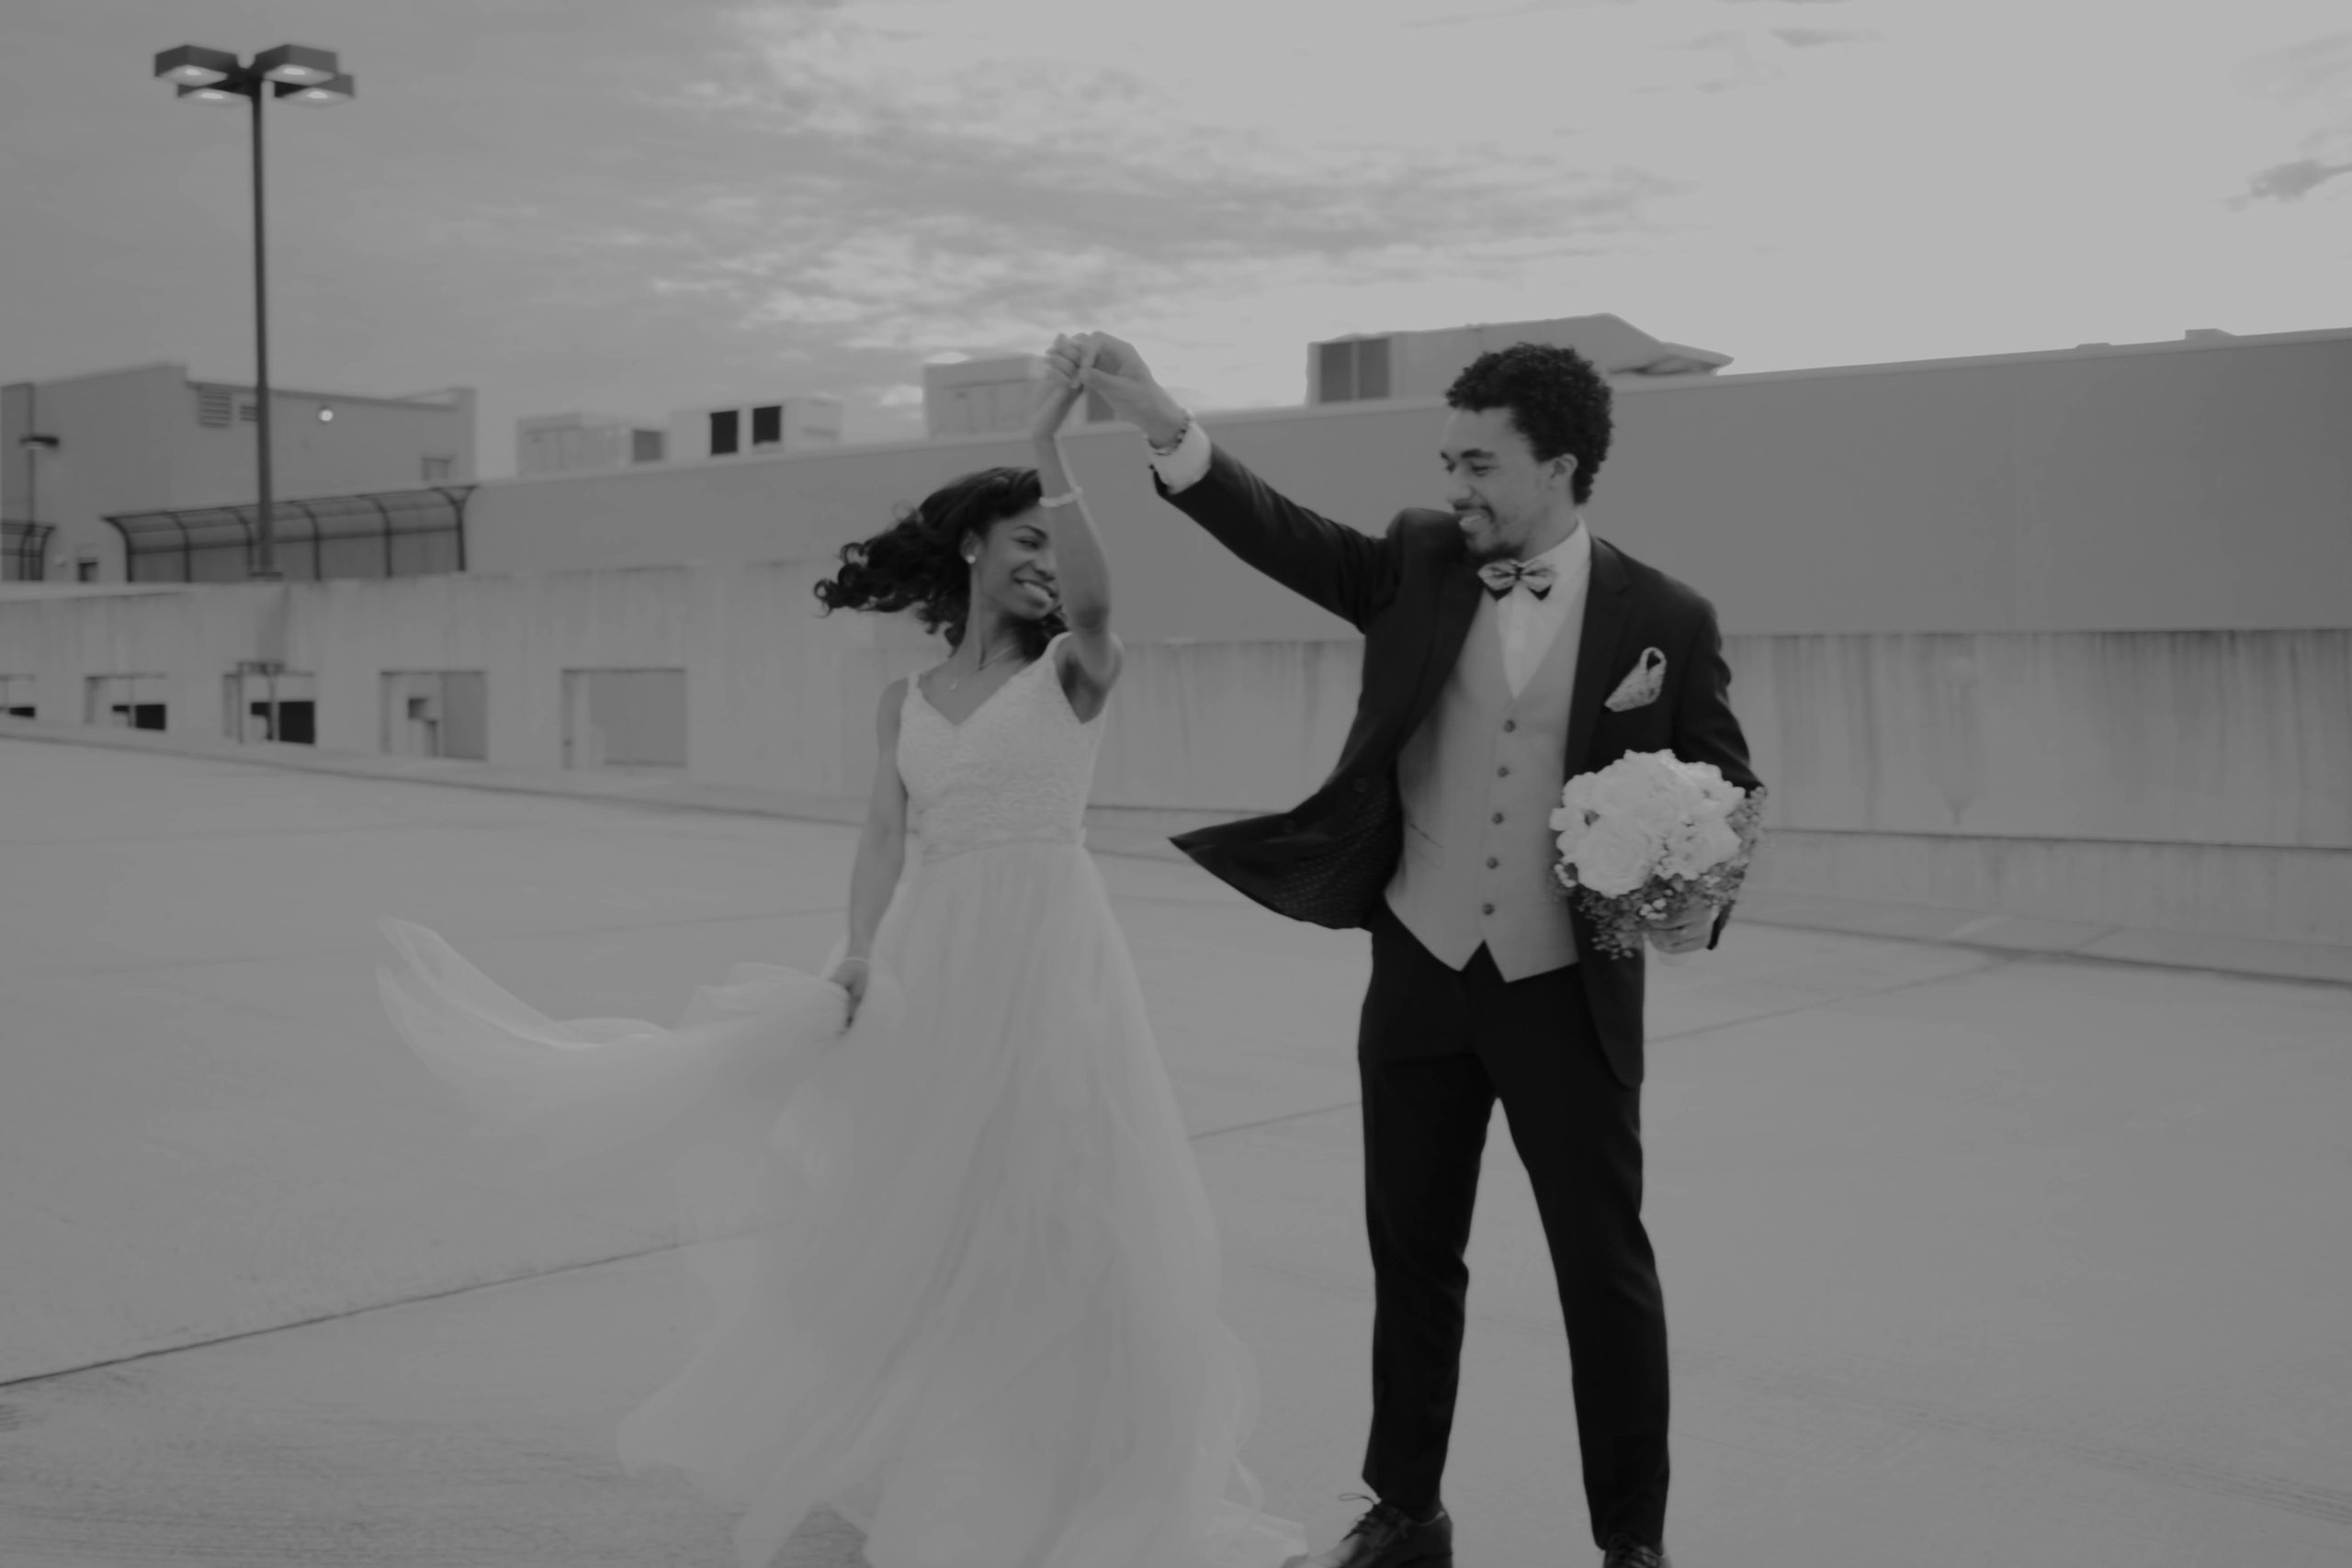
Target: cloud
[2291,182]
[2316,68]
[1735,55]
[1533,8]
[2312,75]
[1816,37]
[927,177]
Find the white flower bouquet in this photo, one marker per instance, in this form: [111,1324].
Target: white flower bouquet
[1650,837]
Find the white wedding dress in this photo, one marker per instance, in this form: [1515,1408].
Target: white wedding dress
[961,1270]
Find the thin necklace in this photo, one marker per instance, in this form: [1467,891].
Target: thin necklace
[1013,647]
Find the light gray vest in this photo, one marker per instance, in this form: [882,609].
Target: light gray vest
[1479,781]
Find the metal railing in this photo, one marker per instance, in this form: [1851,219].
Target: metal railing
[24,551]
[406,533]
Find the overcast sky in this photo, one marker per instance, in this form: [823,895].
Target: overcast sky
[628,205]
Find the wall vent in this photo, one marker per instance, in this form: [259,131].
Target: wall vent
[1352,370]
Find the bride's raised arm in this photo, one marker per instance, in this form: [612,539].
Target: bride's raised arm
[1081,571]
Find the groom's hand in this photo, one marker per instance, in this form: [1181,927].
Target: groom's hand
[1058,393]
[1111,367]
[1687,934]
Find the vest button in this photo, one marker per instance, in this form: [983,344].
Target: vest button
[1509,725]
[1362,785]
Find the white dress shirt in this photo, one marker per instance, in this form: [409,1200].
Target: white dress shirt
[1182,468]
[1527,624]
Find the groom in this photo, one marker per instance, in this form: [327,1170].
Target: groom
[1506,651]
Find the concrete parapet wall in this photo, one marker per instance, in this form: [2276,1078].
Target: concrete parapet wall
[2185,781]
[2185,737]
[2175,486]
[2275,894]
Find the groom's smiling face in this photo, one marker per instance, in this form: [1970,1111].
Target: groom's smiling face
[1510,505]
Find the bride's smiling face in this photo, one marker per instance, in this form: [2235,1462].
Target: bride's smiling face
[1014,571]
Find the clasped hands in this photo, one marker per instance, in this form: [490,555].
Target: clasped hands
[1110,368]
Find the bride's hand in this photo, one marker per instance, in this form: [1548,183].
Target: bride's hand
[851,975]
[1057,391]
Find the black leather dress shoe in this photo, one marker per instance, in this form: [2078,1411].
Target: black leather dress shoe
[1624,1551]
[1388,1537]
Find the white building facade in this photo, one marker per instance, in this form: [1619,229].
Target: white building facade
[150,439]
[586,442]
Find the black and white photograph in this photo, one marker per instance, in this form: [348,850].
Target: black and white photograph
[1074,783]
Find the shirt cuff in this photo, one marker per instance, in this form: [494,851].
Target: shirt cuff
[1183,468]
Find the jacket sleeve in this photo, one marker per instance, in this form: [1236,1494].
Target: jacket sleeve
[1705,729]
[1345,571]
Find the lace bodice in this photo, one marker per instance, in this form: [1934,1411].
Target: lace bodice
[1019,767]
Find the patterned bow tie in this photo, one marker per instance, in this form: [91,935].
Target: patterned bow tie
[1501,576]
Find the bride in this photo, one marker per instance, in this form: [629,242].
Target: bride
[961,1270]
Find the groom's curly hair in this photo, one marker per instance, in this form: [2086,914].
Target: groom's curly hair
[1556,400]
[918,563]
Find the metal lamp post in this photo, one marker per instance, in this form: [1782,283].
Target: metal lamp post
[292,70]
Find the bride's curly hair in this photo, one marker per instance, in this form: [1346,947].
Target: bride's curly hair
[918,562]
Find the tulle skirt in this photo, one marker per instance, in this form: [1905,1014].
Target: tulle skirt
[961,1275]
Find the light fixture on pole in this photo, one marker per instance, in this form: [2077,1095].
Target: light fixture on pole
[303,75]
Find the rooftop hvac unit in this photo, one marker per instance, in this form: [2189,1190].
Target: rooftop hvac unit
[780,424]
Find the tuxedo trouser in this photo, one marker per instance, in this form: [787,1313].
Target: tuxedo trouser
[1438,1048]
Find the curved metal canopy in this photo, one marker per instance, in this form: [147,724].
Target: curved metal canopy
[400,532]
[24,550]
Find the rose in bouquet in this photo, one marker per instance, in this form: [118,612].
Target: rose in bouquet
[1649,838]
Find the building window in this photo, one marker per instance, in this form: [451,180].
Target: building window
[767,425]
[1352,371]
[292,721]
[16,696]
[647,445]
[439,470]
[280,707]
[125,701]
[625,718]
[723,432]
[437,713]
[86,570]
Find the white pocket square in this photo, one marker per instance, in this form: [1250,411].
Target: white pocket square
[1642,684]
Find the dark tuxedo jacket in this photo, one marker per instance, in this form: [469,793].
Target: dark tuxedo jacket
[1412,593]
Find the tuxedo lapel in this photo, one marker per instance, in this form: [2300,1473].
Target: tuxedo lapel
[1606,607]
[1458,594]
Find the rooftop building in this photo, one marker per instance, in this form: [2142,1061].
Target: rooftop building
[151,439]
